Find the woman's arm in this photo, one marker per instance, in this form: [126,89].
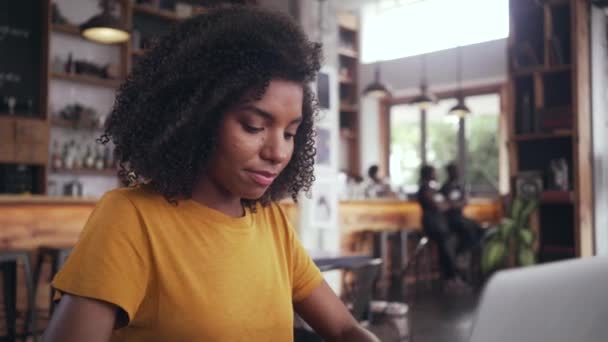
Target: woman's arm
[82,319]
[328,316]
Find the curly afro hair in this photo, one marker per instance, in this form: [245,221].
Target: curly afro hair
[165,118]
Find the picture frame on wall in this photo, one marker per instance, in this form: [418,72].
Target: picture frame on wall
[324,210]
[326,93]
[324,90]
[323,146]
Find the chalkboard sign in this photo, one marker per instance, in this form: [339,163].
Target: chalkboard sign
[21,57]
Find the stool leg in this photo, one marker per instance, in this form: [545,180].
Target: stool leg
[37,270]
[30,320]
[429,268]
[56,264]
[10,297]
[404,258]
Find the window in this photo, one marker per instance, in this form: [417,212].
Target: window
[396,29]
[405,147]
[433,138]
[482,144]
[442,134]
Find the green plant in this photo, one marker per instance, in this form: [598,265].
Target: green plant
[512,242]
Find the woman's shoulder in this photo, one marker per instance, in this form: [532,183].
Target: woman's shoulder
[277,214]
[134,194]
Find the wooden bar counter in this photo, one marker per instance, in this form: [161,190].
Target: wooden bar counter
[370,215]
[27,222]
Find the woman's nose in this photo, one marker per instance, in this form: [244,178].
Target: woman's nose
[276,148]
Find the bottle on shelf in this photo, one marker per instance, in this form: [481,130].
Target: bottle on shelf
[56,160]
[89,158]
[69,64]
[99,159]
[69,155]
[78,157]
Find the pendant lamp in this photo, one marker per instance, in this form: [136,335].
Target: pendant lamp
[376,88]
[425,99]
[105,28]
[460,109]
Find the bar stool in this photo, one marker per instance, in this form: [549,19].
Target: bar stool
[57,257]
[8,266]
[418,259]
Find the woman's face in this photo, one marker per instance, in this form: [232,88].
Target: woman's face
[256,141]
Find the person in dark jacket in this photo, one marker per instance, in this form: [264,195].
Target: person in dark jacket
[468,231]
[434,223]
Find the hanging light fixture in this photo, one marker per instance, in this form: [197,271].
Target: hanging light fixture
[376,88]
[105,28]
[425,99]
[460,109]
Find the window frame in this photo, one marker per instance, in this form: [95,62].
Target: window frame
[385,124]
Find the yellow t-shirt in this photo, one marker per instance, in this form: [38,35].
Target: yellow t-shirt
[188,272]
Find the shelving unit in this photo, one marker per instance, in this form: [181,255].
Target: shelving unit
[348,58]
[64,131]
[86,172]
[549,117]
[68,29]
[85,79]
[155,12]
[543,136]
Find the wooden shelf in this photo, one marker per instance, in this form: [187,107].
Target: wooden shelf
[348,108]
[66,29]
[541,69]
[348,53]
[347,28]
[557,197]
[91,80]
[62,123]
[138,52]
[556,2]
[86,172]
[542,136]
[346,80]
[155,12]
[348,134]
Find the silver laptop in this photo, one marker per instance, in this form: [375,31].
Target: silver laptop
[557,302]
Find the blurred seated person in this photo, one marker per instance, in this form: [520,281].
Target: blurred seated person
[435,225]
[376,186]
[469,232]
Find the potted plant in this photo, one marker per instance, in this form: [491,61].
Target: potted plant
[512,242]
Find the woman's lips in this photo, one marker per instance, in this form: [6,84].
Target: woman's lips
[263,178]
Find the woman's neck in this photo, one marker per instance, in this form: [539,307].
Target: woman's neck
[210,195]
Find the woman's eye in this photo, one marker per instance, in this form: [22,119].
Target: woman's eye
[252,129]
[289,136]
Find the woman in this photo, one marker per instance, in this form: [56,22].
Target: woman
[214,125]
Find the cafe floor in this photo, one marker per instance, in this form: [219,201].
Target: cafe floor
[437,318]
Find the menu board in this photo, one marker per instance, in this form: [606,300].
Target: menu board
[21,57]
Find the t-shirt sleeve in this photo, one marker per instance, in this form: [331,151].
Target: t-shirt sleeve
[110,262]
[305,275]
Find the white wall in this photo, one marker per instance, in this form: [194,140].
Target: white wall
[483,63]
[316,237]
[599,86]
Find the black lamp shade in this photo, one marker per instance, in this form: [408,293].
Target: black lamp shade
[104,28]
[424,101]
[461,110]
[376,89]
